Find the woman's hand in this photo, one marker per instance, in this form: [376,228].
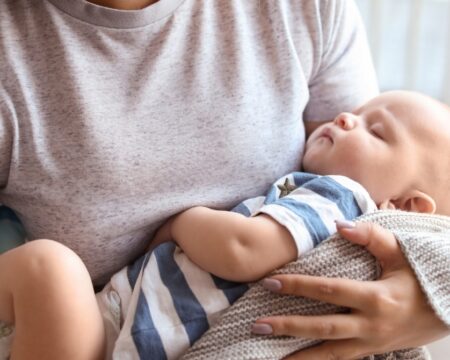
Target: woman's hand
[389,314]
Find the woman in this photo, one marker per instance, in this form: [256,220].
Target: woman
[117,114]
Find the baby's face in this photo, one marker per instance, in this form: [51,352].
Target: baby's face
[378,144]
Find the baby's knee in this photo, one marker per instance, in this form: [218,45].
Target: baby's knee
[45,250]
[48,260]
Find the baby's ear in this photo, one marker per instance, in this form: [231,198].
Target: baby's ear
[416,201]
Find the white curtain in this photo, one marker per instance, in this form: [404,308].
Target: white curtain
[410,42]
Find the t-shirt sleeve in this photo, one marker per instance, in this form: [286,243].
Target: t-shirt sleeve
[344,76]
[309,211]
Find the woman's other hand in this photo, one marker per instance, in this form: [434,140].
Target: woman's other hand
[389,314]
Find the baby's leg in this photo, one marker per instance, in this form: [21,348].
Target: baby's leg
[46,292]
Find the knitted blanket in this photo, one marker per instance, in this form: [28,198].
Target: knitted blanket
[425,241]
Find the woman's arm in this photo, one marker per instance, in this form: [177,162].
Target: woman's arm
[388,314]
[230,245]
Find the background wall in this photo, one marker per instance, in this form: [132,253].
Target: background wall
[410,43]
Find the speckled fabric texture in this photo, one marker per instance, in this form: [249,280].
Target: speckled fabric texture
[111,121]
[424,239]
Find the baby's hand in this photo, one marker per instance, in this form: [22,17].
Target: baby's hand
[163,234]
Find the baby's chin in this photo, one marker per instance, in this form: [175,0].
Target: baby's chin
[312,164]
[308,164]
[306,167]
[317,168]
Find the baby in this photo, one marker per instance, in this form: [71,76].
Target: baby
[391,153]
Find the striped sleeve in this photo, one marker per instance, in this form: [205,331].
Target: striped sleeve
[309,211]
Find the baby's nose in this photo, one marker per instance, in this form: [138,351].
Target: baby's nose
[345,120]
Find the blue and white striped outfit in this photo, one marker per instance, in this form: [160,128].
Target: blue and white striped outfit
[167,302]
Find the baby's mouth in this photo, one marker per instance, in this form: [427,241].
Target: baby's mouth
[327,133]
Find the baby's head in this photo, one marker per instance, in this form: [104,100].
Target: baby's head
[397,146]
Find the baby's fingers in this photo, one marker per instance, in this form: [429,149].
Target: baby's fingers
[380,242]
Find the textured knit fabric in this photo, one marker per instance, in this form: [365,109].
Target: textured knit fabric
[111,121]
[424,239]
[168,302]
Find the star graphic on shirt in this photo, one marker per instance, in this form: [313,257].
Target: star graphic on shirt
[286,188]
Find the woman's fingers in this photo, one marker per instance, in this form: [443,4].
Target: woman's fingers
[380,242]
[342,292]
[325,327]
[342,350]
[391,313]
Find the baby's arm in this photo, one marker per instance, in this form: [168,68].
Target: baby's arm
[230,245]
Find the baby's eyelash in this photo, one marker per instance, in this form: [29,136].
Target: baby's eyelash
[376,134]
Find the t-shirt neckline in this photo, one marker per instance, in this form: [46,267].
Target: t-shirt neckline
[113,18]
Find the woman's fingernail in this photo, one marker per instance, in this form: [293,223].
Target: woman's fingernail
[262,329]
[272,284]
[345,224]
